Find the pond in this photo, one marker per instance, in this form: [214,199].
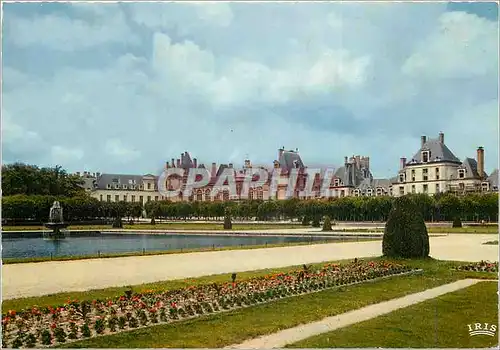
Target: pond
[80,244]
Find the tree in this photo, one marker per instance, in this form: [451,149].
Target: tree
[405,234]
[19,178]
[315,221]
[327,224]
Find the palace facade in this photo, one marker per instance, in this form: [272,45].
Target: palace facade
[432,169]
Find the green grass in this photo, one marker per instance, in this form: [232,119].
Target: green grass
[437,323]
[175,251]
[215,331]
[491,243]
[215,226]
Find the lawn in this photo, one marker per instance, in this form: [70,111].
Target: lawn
[437,323]
[220,330]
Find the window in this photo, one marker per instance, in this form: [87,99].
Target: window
[425,174]
[413,175]
[130,182]
[356,193]
[369,192]
[484,186]
[149,185]
[117,186]
[199,195]
[461,173]
[336,182]
[149,198]
[401,178]
[141,187]
[379,191]
[124,197]
[437,188]
[401,190]
[141,199]
[426,189]
[425,156]
[156,198]
[390,191]
[461,186]
[133,198]
[207,195]
[342,193]
[226,195]
[108,198]
[100,197]
[413,189]
[117,198]
[124,187]
[108,186]
[437,173]
[260,194]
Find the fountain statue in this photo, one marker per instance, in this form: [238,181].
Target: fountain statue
[56,221]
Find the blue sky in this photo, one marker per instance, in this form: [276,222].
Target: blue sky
[125,87]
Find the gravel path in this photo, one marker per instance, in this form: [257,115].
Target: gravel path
[295,334]
[35,279]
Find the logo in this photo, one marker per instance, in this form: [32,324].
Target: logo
[482,329]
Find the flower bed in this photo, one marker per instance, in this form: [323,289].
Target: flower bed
[41,327]
[482,266]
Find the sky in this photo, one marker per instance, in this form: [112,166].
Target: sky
[125,87]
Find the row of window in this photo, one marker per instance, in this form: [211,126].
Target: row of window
[129,186]
[199,197]
[425,175]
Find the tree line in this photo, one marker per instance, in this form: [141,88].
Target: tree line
[444,207]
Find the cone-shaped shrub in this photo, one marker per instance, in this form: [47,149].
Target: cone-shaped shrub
[457,222]
[228,225]
[405,234]
[327,224]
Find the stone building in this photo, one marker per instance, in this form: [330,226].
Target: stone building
[435,169]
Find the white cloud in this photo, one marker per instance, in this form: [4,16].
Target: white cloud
[117,150]
[64,154]
[461,46]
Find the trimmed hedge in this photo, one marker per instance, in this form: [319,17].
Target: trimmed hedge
[405,234]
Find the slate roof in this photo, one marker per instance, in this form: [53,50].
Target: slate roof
[119,179]
[350,175]
[289,160]
[471,171]
[493,179]
[439,152]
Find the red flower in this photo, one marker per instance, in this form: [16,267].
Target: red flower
[110,303]
[12,313]
[53,326]
[5,320]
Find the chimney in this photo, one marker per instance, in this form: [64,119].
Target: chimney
[402,162]
[441,138]
[195,162]
[178,163]
[280,152]
[173,163]
[97,174]
[358,163]
[367,163]
[480,161]
[214,169]
[230,165]
[167,165]
[423,138]
[345,160]
[247,163]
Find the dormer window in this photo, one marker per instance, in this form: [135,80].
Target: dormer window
[461,173]
[337,182]
[379,191]
[401,178]
[124,187]
[425,156]
[484,186]
[369,192]
[108,186]
[117,186]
